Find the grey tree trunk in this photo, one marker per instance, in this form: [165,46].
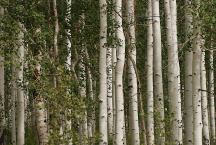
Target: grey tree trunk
[132,78]
[188,104]
[20,91]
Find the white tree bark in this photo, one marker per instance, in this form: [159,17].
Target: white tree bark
[68,65]
[40,110]
[119,103]
[212,97]
[103,73]
[132,78]
[188,105]
[173,72]
[206,139]
[197,110]
[149,91]
[20,91]
[114,61]
[82,90]
[91,115]
[157,68]
[109,92]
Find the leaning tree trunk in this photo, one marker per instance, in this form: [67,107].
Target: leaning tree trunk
[132,78]
[20,91]
[206,139]
[196,66]
[149,66]
[173,72]
[188,105]
[119,103]
[103,73]
[157,68]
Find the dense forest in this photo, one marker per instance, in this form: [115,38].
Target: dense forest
[107,72]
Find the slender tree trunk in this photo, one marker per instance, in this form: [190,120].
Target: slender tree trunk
[150,94]
[40,110]
[82,90]
[212,97]
[114,61]
[103,73]
[206,139]
[20,92]
[119,103]
[13,105]
[68,65]
[132,78]
[91,115]
[188,104]
[109,92]
[157,68]
[197,110]
[173,72]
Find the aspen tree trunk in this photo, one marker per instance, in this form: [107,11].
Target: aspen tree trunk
[13,105]
[2,97]
[188,104]
[119,104]
[132,78]
[173,72]
[40,110]
[109,92]
[91,115]
[196,66]
[68,65]
[55,39]
[20,91]
[82,90]
[157,68]
[150,94]
[103,73]
[114,61]
[212,97]
[206,139]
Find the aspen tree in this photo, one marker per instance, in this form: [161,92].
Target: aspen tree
[132,78]
[149,66]
[173,72]
[157,68]
[188,105]
[39,104]
[196,66]
[91,115]
[68,66]
[211,96]
[119,103]
[205,129]
[103,73]
[20,91]
[13,104]
[109,91]
[114,61]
